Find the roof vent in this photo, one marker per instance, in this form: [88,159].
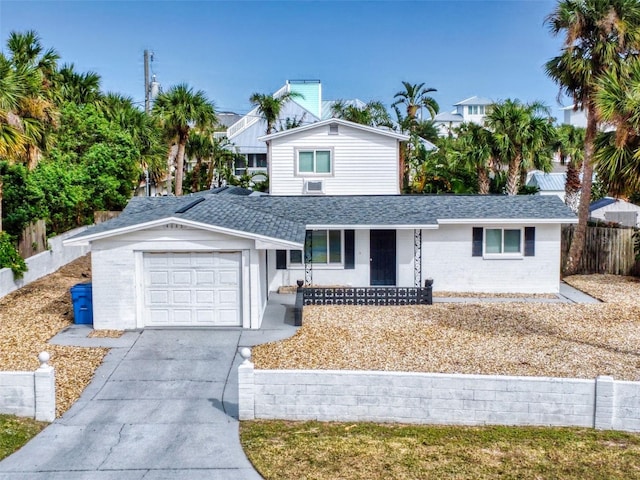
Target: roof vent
[190,205]
[333,129]
[314,186]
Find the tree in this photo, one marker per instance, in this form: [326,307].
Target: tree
[477,149]
[201,148]
[570,147]
[521,133]
[415,96]
[269,107]
[78,87]
[144,130]
[599,36]
[373,113]
[618,152]
[35,114]
[179,110]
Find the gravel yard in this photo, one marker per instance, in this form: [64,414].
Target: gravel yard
[32,315]
[559,340]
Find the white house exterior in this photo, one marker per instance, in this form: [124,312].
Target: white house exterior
[211,259]
[615,210]
[473,109]
[334,157]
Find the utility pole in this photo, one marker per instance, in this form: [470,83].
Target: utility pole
[147,90]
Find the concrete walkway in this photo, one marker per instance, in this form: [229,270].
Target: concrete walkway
[567,294]
[163,405]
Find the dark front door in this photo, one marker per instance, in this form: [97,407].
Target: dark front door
[382,261]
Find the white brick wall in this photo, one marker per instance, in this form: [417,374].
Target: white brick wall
[44,263]
[29,394]
[437,398]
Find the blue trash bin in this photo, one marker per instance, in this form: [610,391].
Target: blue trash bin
[82,299]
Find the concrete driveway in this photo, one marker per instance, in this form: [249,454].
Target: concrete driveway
[163,405]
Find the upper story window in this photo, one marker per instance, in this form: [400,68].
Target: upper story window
[314,162]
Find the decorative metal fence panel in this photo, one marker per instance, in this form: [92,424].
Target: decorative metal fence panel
[367,296]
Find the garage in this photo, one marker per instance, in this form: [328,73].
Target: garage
[191,289]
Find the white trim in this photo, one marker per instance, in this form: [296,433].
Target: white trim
[138,258]
[321,226]
[505,221]
[339,121]
[180,221]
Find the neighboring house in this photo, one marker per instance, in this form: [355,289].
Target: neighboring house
[334,157]
[577,118]
[210,259]
[548,183]
[473,109]
[246,130]
[615,210]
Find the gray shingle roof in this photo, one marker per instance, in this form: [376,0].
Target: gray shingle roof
[286,218]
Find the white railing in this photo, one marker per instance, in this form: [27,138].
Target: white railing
[251,117]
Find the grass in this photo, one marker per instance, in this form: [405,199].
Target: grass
[348,451]
[15,432]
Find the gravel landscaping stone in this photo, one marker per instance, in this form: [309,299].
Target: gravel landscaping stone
[531,339]
[30,316]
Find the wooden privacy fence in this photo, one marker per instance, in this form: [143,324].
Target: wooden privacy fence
[606,250]
[33,239]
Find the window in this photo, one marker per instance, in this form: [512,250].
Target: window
[251,160]
[314,161]
[321,247]
[481,109]
[502,241]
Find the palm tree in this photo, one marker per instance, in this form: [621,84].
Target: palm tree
[144,131]
[599,36]
[618,152]
[415,96]
[201,148]
[476,148]
[179,110]
[373,113]
[570,147]
[79,88]
[269,107]
[36,113]
[521,133]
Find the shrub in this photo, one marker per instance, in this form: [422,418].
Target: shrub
[9,256]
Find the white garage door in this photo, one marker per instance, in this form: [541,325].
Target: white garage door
[192,289]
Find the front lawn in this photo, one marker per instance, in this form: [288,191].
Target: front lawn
[347,451]
[15,432]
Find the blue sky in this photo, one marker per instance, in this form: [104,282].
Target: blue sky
[363,50]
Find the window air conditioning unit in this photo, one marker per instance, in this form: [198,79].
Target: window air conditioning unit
[313,186]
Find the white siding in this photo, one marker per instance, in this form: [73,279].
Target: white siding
[118,272]
[446,257]
[363,163]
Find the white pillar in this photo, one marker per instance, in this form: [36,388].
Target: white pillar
[603,418]
[45,390]
[246,394]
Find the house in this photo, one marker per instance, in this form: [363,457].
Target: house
[548,183]
[571,116]
[211,259]
[472,109]
[334,157]
[615,210]
[247,134]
